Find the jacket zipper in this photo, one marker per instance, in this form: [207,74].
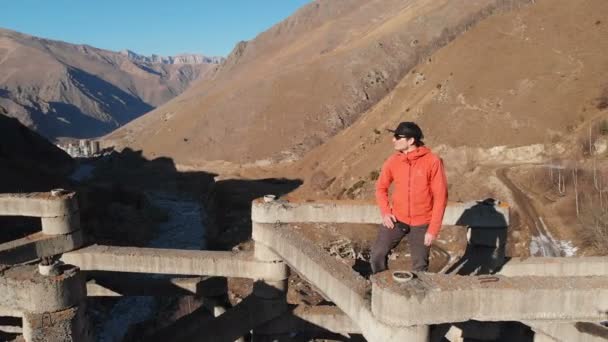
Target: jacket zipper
[409,191]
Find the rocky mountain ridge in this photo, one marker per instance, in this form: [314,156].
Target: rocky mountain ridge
[66,90]
[186,58]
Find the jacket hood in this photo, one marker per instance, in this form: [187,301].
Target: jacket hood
[417,153]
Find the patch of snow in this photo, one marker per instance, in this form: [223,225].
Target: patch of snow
[567,248]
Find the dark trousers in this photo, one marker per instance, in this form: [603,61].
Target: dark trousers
[389,238]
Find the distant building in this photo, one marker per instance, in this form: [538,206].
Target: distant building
[84,148]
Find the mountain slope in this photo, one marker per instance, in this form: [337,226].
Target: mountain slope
[61,89]
[28,162]
[302,81]
[532,80]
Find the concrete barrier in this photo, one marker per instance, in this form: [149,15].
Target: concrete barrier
[176,262]
[556,267]
[488,298]
[477,214]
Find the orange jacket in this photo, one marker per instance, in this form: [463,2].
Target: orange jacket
[420,193]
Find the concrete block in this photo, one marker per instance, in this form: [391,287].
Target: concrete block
[39,245]
[24,289]
[177,262]
[467,214]
[556,267]
[38,204]
[488,298]
[69,325]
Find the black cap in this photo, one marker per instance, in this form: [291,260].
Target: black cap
[408,130]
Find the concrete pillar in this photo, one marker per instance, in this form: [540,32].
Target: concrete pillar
[67,324]
[271,291]
[68,220]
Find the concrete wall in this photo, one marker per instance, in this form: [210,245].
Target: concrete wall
[465,214]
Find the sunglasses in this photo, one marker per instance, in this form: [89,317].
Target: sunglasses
[398,136]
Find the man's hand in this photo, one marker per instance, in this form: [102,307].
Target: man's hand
[428,239]
[389,220]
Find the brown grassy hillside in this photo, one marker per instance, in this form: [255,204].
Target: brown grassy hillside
[530,76]
[304,80]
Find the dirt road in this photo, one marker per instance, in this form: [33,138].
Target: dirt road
[542,243]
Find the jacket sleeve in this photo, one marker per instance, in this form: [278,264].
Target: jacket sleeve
[439,188]
[382,185]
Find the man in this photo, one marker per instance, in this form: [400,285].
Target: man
[418,201]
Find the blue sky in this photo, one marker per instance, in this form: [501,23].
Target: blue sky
[153,26]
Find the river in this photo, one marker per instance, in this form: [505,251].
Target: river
[183,230]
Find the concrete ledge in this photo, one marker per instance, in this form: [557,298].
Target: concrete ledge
[556,267]
[488,298]
[39,245]
[111,285]
[177,262]
[580,331]
[24,289]
[334,279]
[464,214]
[38,204]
